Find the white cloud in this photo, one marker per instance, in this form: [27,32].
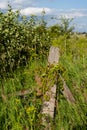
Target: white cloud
[18,1]
[81,27]
[21,4]
[71,13]
[3,5]
[35,10]
[82,9]
[17,4]
[74,15]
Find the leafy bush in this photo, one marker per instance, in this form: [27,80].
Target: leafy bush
[20,41]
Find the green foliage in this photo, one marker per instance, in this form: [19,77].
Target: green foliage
[20,41]
[63,28]
[50,77]
[21,112]
[73,116]
[13,46]
[66,29]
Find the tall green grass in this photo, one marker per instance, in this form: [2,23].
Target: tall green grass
[21,112]
[74,60]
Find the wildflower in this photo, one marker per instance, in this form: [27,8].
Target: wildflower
[30,110]
[17,101]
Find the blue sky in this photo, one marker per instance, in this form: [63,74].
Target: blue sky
[64,4]
[76,9]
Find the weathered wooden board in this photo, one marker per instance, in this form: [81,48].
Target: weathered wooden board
[48,107]
[67,93]
[54,55]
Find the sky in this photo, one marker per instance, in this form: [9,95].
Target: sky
[76,9]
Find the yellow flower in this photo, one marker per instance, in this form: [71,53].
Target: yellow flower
[17,101]
[30,109]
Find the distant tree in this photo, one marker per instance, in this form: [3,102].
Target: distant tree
[66,29]
[63,28]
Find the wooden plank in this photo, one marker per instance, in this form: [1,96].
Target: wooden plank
[48,107]
[67,93]
[54,55]
[20,93]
